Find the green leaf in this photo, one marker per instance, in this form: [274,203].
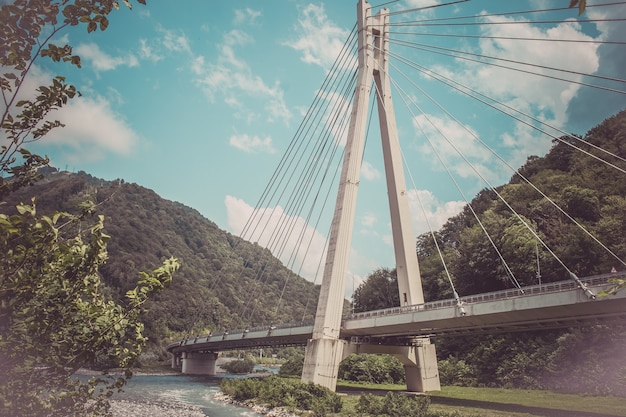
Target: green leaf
[582,4]
[104,23]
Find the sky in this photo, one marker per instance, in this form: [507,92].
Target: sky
[198,100]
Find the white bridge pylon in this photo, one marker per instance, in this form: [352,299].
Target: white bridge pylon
[325,350]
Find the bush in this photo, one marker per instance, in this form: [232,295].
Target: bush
[453,371]
[275,391]
[374,369]
[393,405]
[293,366]
[243,366]
[241,389]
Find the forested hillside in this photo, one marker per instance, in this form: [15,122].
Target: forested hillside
[590,193]
[219,285]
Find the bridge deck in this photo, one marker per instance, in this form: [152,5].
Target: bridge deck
[553,305]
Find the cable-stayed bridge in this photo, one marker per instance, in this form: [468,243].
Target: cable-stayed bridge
[546,306]
[318,156]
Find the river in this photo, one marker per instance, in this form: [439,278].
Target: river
[195,391]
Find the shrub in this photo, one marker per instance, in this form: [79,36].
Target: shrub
[293,366]
[275,391]
[243,366]
[241,389]
[453,371]
[393,405]
[375,369]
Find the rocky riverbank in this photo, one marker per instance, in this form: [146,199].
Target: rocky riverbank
[126,408]
[269,412]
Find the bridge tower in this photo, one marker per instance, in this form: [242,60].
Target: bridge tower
[325,350]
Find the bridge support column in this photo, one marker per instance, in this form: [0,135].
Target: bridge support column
[321,363]
[420,367]
[176,361]
[419,361]
[199,363]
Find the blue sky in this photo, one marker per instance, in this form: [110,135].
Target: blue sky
[198,100]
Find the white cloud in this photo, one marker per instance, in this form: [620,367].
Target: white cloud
[421,3]
[246,16]
[175,41]
[100,60]
[304,256]
[369,220]
[545,97]
[92,127]
[369,172]
[308,259]
[319,39]
[454,144]
[434,213]
[147,52]
[250,144]
[92,130]
[234,80]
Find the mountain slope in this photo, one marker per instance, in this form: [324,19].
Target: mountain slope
[577,187]
[219,285]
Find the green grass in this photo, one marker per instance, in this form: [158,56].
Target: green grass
[544,399]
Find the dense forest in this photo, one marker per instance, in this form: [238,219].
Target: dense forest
[223,283]
[590,193]
[578,190]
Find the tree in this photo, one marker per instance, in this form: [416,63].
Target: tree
[372,368]
[240,366]
[54,315]
[293,366]
[378,291]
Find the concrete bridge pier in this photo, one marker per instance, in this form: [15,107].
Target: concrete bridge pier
[419,361]
[199,363]
[177,361]
[322,359]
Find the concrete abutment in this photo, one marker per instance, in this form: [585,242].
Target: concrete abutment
[199,363]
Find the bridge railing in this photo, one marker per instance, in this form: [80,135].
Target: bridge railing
[241,332]
[491,296]
[271,327]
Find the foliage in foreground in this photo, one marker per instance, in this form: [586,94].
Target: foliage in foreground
[275,391]
[56,318]
[55,315]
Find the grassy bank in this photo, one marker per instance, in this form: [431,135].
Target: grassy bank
[495,402]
